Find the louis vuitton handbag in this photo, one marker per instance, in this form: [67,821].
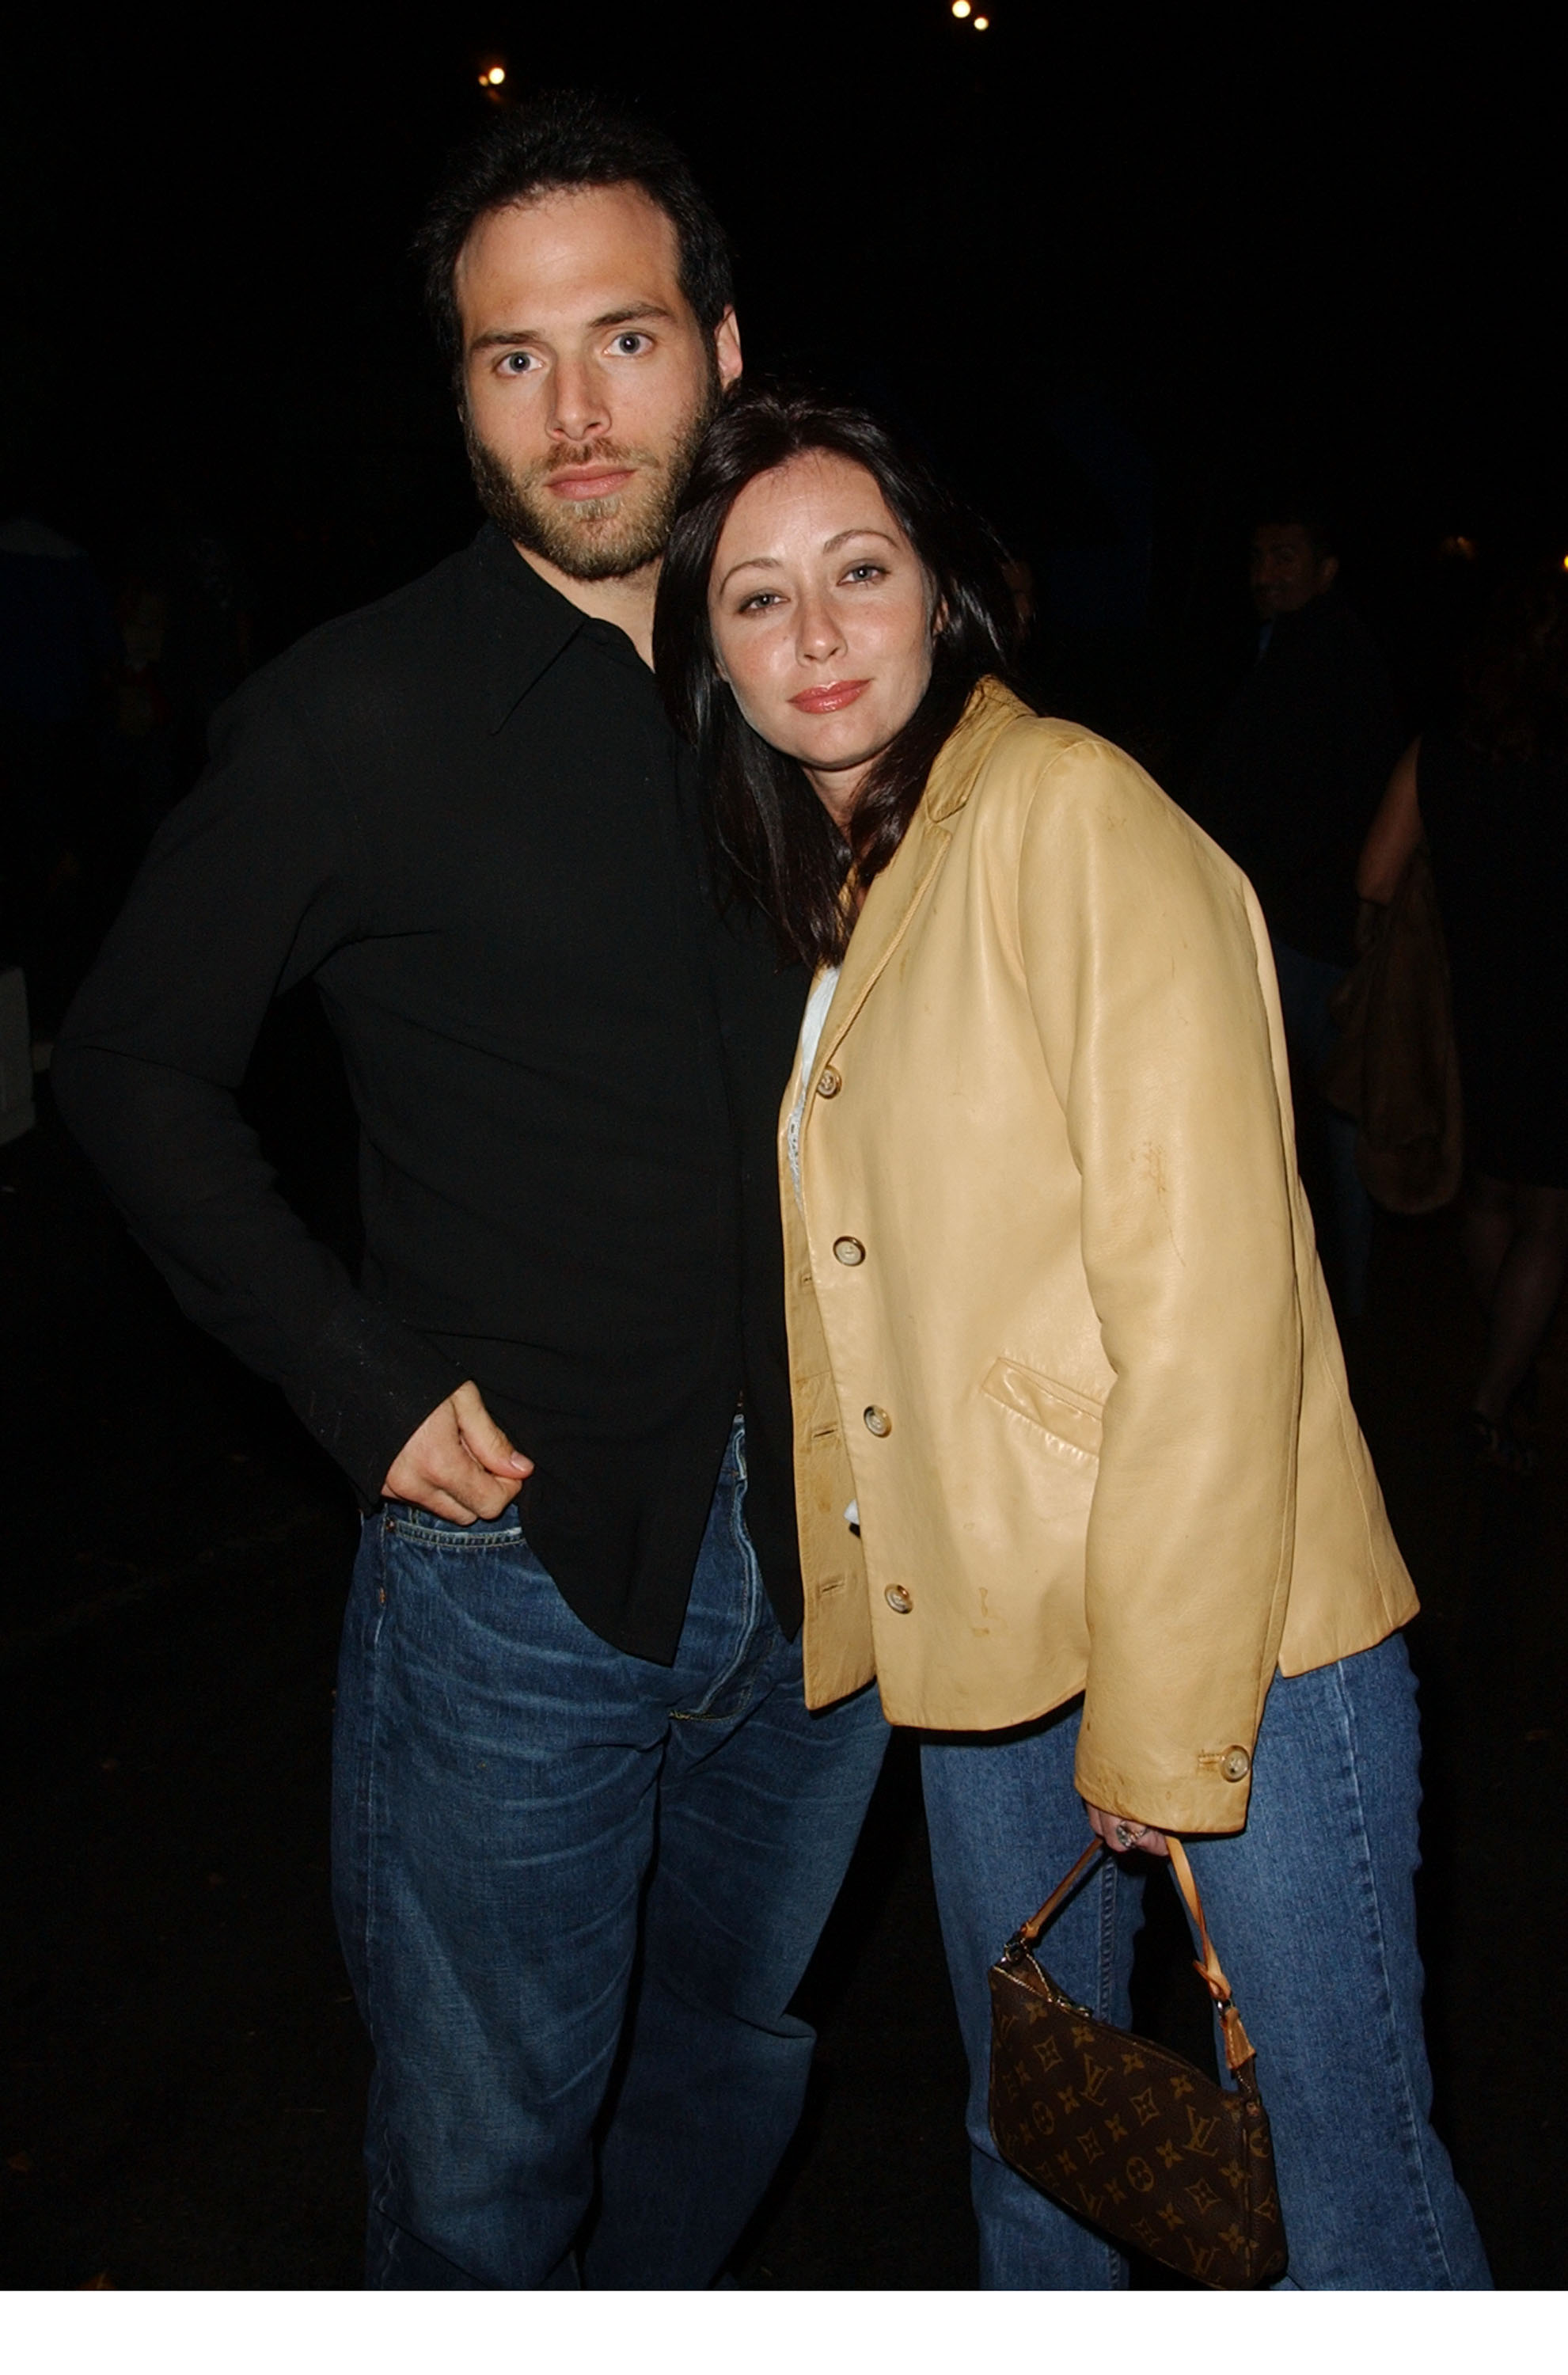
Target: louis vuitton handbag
[1127,2134]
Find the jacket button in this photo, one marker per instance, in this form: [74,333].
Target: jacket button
[876,1420]
[849,1250]
[828,1084]
[898,1599]
[1235,1765]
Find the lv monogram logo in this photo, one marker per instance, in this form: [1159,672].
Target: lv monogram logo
[1094,2076]
[1203,2136]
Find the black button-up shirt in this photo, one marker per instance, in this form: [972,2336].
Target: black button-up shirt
[462,813]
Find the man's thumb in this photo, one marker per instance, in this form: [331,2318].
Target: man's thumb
[485,1442]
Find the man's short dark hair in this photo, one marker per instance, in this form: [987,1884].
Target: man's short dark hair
[568,140]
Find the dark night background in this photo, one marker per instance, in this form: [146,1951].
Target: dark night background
[1119,270]
[1112,266]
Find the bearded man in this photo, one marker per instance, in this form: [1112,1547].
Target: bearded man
[585,1832]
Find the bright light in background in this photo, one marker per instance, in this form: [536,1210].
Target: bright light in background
[493,77]
[982,24]
[961,8]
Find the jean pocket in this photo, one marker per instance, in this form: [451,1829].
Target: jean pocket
[411,1523]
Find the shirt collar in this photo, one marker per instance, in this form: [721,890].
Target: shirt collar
[529,624]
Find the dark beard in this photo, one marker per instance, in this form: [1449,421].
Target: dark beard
[594,540]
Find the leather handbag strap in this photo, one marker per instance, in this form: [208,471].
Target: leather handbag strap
[1237,2048]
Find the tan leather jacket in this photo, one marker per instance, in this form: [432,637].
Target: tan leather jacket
[1057,1320]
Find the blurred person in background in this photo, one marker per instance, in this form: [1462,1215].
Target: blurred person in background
[1287,788]
[1490,800]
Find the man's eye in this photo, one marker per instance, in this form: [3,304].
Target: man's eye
[633,342]
[514,366]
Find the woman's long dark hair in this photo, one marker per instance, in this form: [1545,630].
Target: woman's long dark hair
[772,835]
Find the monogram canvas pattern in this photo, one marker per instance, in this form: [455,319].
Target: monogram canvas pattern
[1130,2136]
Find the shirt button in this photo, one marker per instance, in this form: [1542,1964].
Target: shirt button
[849,1251]
[1235,1765]
[898,1599]
[828,1084]
[876,1420]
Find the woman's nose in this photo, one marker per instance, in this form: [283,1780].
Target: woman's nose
[819,633]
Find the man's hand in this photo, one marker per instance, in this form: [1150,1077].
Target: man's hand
[458,1465]
[1123,1832]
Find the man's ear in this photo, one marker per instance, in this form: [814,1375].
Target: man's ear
[1327,570]
[727,350]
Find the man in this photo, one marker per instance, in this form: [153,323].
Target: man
[1288,787]
[586,1834]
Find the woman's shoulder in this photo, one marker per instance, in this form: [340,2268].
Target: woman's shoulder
[1056,760]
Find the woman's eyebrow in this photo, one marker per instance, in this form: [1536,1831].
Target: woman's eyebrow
[764,561]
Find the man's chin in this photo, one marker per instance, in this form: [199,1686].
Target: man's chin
[590,559]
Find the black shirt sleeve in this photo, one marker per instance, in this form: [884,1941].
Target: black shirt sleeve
[247,888]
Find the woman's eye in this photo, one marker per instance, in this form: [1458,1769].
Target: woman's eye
[760,602]
[865,573]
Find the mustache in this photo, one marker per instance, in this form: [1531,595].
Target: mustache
[598,450]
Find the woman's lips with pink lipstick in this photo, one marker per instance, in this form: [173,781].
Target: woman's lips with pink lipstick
[819,699]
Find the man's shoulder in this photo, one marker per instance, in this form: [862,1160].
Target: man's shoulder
[418,630]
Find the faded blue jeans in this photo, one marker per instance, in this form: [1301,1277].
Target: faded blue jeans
[576,1891]
[1312,1913]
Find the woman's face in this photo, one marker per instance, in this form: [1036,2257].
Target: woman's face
[820,616]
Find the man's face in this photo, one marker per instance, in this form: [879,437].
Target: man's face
[588,380]
[1287,570]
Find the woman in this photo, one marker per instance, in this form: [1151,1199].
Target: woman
[1492,800]
[1075,1466]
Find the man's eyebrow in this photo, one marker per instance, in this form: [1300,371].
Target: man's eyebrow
[612,321]
[767,561]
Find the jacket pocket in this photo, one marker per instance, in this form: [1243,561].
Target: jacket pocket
[1070,1422]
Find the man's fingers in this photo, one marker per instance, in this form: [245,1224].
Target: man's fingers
[487,1443]
[442,1505]
[459,1490]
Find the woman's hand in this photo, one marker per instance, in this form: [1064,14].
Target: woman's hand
[1124,1831]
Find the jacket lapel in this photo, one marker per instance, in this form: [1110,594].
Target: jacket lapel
[897,892]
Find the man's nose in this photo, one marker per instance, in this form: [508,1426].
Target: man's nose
[580,406]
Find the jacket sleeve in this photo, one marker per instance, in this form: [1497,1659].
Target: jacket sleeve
[1144,978]
[246,891]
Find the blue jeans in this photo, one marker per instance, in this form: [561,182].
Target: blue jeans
[576,1891]
[1312,1913]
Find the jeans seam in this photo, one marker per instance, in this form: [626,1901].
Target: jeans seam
[381,2191]
[1413,2121]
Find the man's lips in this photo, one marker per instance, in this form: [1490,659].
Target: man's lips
[584,485]
[819,699]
